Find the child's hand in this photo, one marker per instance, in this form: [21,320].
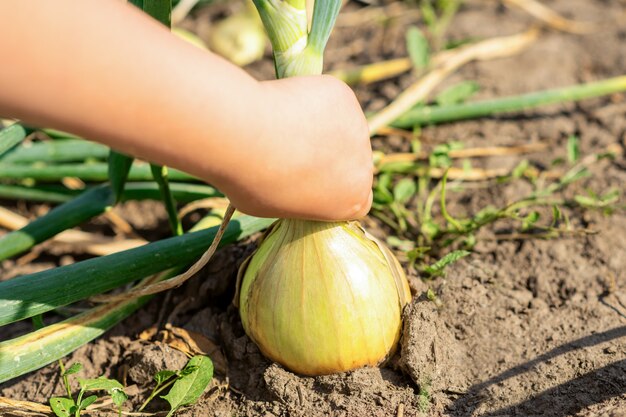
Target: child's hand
[291,148]
[312,158]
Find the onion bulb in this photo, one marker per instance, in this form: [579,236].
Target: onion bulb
[240,37]
[321,298]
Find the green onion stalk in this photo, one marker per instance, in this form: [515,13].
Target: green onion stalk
[318,297]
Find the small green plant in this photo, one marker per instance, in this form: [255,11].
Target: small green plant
[433,239]
[438,15]
[187,384]
[190,384]
[423,397]
[438,268]
[68,407]
[418,48]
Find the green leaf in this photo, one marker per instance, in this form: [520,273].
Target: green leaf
[457,93]
[486,215]
[101,383]
[382,195]
[161,10]
[59,150]
[417,46]
[428,13]
[417,253]
[62,407]
[440,114]
[470,241]
[429,229]
[159,173]
[89,204]
[27,295]
[556,215]
[187,389]
[73,368]
[119,167]
[162,376]
[438,267]
[402,244]
[88,401]
[520,169]
[440,156]
[188,369]
[324,16]
[404,190]
[573,149]
[38,323]
[529,221]
[384,181]
[595,201]
[118,396]
[11,136]
[574,175]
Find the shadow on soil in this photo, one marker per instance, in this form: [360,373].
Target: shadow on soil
[562,400]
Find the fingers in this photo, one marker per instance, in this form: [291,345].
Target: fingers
[314,159]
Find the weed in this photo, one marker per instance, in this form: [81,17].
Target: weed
[68,407]
[407,206]
[187,385]
[423,397]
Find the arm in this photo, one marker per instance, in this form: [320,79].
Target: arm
[101,69]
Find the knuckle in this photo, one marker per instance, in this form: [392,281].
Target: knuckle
[359,201]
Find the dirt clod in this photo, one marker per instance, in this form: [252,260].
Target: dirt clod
[148,359]
[430,354]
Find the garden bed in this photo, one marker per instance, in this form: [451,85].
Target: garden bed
[526,325]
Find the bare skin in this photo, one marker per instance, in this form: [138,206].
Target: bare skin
[296,148]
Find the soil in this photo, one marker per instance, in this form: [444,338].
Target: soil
[523,326]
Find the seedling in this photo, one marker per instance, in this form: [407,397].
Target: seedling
[424,395]
[422,234]
[438,14]
[68,407]
[190,384]
[187,384]
[438,268]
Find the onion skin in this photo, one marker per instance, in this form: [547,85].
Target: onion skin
[322,298]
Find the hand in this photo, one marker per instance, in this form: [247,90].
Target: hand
[312,158]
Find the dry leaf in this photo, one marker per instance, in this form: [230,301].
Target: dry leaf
[196,344]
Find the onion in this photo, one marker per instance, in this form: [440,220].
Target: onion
[321,298]
[239,38]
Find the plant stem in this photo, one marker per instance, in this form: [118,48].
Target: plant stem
[66,216]
[118,170]
[27,295]
[66,381]
[182,192]
[443,114]
[78,400]
[11,136]
[57,134]
[159,173]
[90,203]
[62,338]
[444,210]
[62,150]
[86,172]
[161,10]
[157,390]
